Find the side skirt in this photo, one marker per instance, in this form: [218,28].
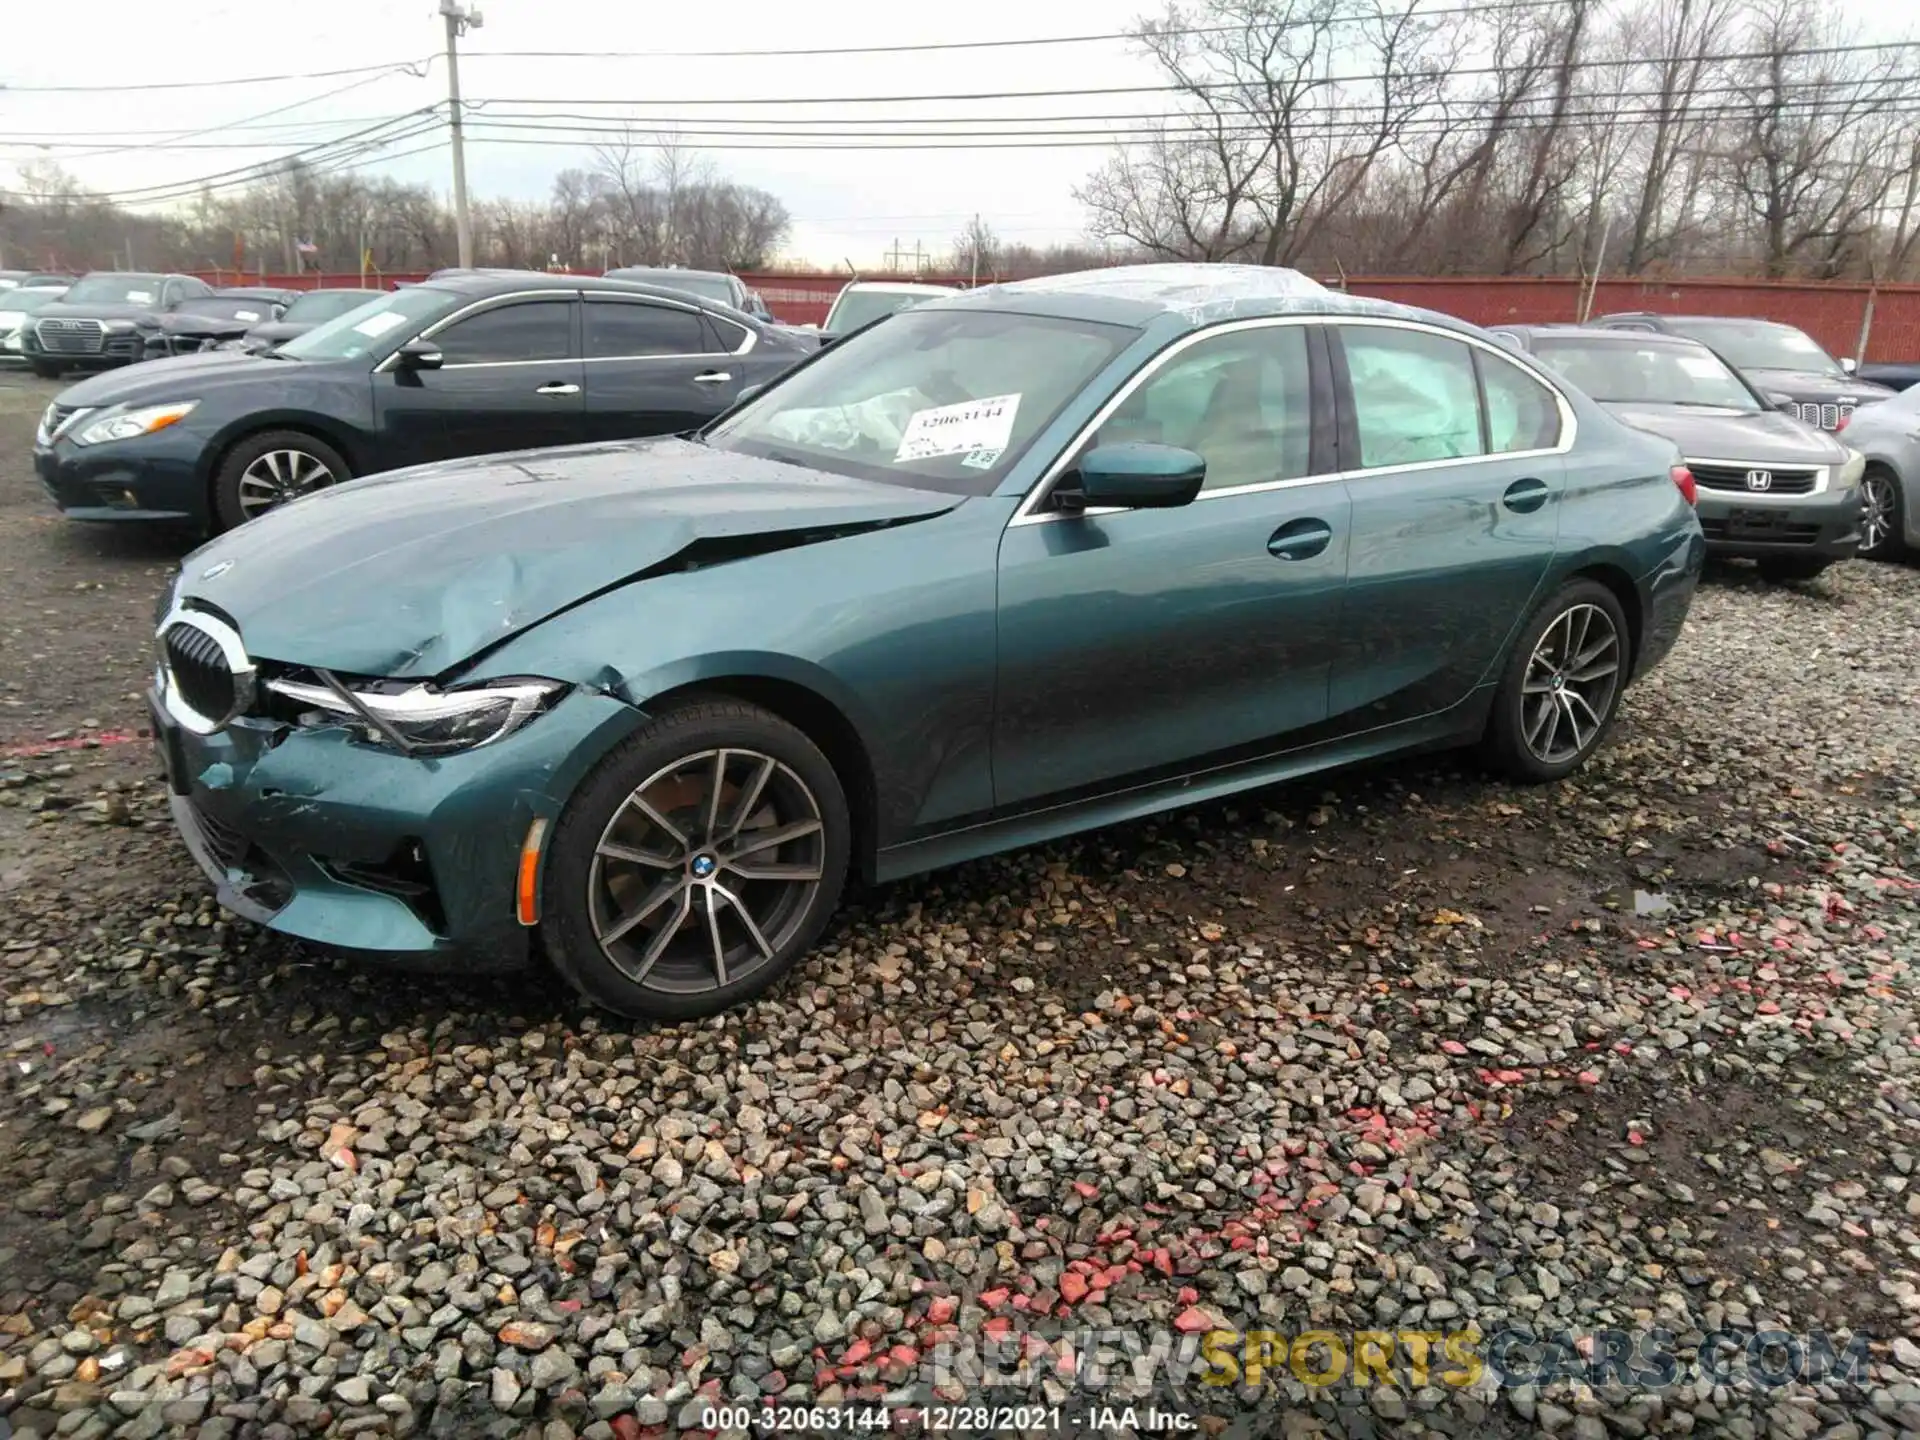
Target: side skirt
[1457,726]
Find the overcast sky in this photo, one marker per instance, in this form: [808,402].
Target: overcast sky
[845,205]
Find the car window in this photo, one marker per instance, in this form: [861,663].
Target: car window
[618,328]
[527,330]
[1240,401]
[1414,397]
[730,336]
[1522,414]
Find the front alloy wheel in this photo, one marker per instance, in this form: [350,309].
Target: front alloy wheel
[1562,685]
[263,472]
[696,864]
[279,476]
[1881,521]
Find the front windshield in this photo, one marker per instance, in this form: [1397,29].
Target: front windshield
[855,308]
[376,326]
[703,287]
[318,305]
[936,399]
[1756,345]
[114,290]
[1650,374]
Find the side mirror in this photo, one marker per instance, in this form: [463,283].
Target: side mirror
[1783,402]
[420,355]
[1132,476]
[1848,366]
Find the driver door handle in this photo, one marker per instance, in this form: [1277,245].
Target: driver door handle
[558,387]
[712,377]
[1299,539]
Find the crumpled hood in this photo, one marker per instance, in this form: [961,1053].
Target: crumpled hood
[1765,437]
[277,332]
[410,573]
[1815,385]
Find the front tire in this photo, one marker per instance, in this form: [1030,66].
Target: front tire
[265,471]
[1883,515]
[1561,689]
[1783,569]
[696,863]
[44,369]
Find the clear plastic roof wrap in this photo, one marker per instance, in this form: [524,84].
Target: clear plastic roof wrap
[1204,293]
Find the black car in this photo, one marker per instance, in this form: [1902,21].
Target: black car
[99,322]
[310,308]
[465,365]
[1784,364]
[207,321]
[1893,374]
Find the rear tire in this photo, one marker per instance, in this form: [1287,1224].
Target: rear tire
[668,894]
[1784,569]
[1883,515]
[1561,689]
[264,471]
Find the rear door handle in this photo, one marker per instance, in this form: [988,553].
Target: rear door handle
[712,377]
[1525,496]
[1299,539]
[558,387]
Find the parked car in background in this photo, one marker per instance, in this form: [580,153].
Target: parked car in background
[34,280]
[465,365]
[861,302]
[1785,365]
[714,285]
[17,309]
[1772,488]
[204,322]
[271,294]
[1007,566]
[1893,374]
[97,324]
[1888,437]
[309,309]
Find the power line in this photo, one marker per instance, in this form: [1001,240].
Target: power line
[415,68]
[1040,40]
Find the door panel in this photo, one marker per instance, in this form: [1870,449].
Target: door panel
[1450,544]
[1142,640]
[653,369]
[511,381]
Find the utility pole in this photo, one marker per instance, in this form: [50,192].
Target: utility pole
[460,19]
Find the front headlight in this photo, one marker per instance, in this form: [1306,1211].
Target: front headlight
[1846,476]
[423,719]
[130,423]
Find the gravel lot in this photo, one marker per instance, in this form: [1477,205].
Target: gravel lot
[1397,1051]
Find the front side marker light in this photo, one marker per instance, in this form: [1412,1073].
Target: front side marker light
[527,890]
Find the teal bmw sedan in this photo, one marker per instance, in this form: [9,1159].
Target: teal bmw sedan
[1008,565]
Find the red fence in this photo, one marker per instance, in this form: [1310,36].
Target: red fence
[1831,313]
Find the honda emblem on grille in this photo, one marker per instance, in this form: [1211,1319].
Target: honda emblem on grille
[1759,479]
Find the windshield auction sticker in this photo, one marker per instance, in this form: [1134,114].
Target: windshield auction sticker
[957,429]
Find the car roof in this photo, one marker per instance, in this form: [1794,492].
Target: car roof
[620,271]
[1200,294]
[479,284]
[899,287]
[1662,318]
[1599,336]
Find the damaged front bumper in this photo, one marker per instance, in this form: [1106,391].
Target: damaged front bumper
[321,836]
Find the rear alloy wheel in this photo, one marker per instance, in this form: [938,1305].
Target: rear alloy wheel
[696,864]
[1781,569]
[1882,515]
[1562,685]
[264,472]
